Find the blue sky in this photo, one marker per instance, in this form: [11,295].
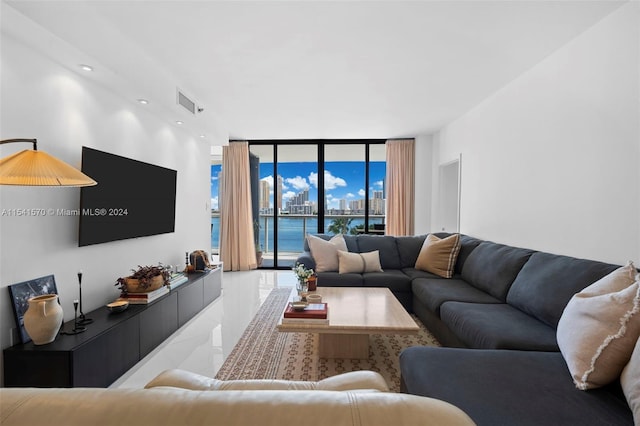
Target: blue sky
[343,180]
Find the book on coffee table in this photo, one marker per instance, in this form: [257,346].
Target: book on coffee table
[314,313]
[312,321]
[312,310]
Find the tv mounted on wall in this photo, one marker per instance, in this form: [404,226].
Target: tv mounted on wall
[132,199]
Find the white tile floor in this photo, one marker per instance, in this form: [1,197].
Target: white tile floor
[202,344]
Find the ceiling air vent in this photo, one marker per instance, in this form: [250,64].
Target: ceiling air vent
[186,102]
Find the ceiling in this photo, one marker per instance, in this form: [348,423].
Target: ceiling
[309,69]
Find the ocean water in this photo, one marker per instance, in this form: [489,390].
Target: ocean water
[290,234]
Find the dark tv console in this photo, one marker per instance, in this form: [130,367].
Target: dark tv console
[113,343]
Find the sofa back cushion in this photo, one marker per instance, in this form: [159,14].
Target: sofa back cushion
[467,245]
[408,249]
[547,282]
[385,244]
[492,267]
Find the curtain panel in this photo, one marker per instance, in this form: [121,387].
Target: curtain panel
[237,250]
[400,186]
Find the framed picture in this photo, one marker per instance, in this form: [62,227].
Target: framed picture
[21,293]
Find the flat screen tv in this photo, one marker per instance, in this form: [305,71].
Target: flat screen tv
[132,199]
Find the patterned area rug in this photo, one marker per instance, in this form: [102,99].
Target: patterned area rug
[265,353]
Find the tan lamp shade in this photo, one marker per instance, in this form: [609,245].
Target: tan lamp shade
[37,168]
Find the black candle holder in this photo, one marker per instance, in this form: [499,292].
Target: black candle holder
[82,320]
[76,328]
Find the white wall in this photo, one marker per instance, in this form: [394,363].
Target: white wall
[64,111]
[550,161]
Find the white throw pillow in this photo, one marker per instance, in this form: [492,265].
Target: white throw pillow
[630,381]
[325,253]
[599,328]
[359,262]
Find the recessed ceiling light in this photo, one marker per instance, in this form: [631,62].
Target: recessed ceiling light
[179,122]
[86,67]
[143,101]
[202,136]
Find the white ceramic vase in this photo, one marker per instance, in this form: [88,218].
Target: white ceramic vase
[43,318]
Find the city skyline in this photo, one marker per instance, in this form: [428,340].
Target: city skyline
[343,181]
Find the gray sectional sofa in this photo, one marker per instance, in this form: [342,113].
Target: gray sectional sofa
[497,319]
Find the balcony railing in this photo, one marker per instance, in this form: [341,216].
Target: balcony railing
[293,229]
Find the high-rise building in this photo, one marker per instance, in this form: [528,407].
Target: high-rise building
[376,204]
[300,204]
[356,206]
[278,192]
[264,196]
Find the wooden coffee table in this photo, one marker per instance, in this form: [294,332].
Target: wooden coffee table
[354,314]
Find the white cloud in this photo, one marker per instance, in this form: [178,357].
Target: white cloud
[330,181]
[349,195]
[361,192]
[214,178]
[379,184]
[214,203]
[298,183]
[288,194]
[313,178]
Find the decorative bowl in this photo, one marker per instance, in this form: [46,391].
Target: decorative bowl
[118,306]
[314,298]
[298,306]
[133,284]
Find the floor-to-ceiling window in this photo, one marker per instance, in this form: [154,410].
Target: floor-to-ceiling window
[216,174]
[314,186]
[354,175]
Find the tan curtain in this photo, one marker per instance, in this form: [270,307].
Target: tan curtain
[400,186]
[237,249]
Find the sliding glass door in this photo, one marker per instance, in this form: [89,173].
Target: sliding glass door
[297,167]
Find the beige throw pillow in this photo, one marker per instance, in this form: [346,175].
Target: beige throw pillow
[325,253]
[630,381]
[438,256]
[599,328]
[359,262]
